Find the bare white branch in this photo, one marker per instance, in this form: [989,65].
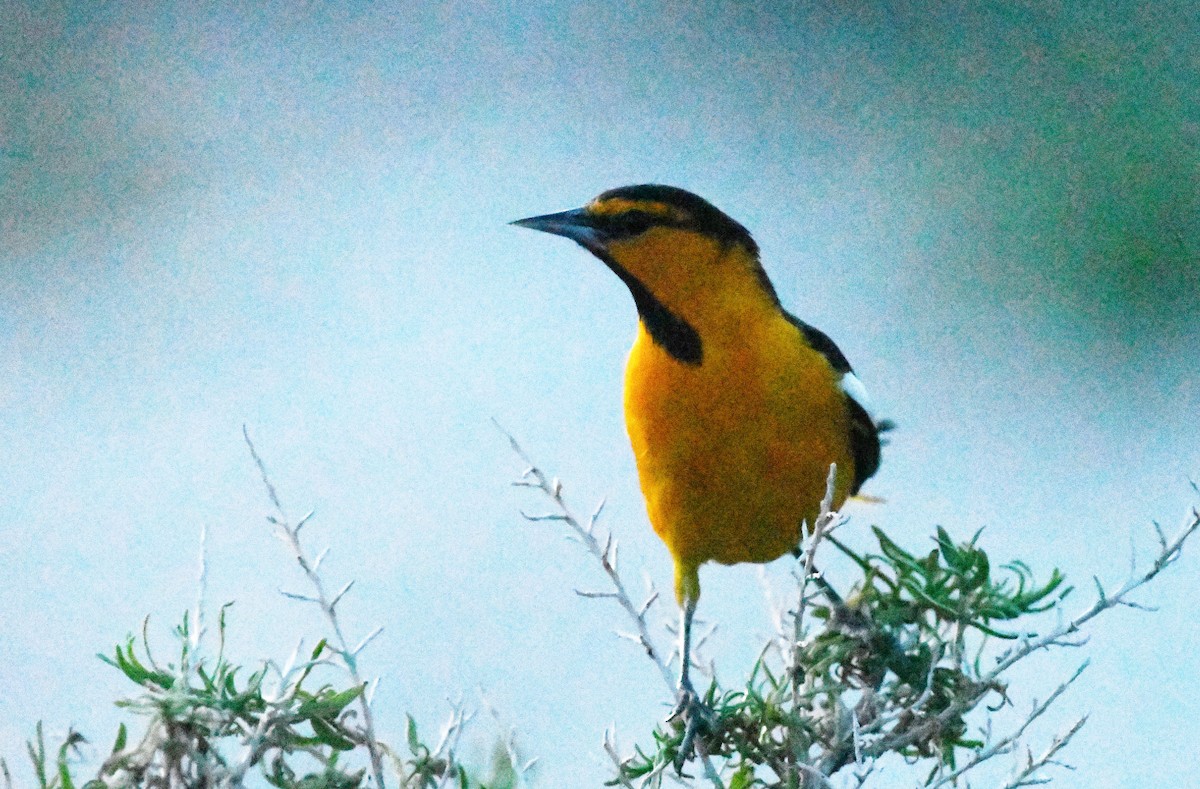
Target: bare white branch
[586,535]
[1056,637]
[610,747]
[1027,775]
[1008,743]
[535,478]
[290,535]
[337,598]
[367,639]
[448,742]
[597,595]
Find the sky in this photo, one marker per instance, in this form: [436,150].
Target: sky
[293,216]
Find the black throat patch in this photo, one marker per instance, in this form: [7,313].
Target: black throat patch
[670,332]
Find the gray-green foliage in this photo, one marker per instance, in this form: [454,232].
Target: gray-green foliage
[886,669]
[209,722]
[892,669]
[206,725]
[894,666]
[306,724]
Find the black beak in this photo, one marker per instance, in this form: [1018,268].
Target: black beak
[576,225]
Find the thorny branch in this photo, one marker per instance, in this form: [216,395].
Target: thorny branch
[825,521]
[857,694]
[1026,776]
[610,747]
[1169,552]
[604,549]
[1008,743]
[447,745]
[290,536]
[279,710]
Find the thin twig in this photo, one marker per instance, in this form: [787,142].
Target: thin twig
[1058,637]
[535,478]
[201,589]
[1026,776]
[445,749]
[1007,743]
[825,517]
[610,748]
[606,554]
[290,535]
[257,742]
[710,770]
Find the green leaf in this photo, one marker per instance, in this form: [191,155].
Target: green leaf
[37,755]
[743,778]
[894,553]
[330,736]
[122,734]
[328,705]
[127,663]
[74,738]
[64,775]
[414,742]
[209,686]
[953,556]
[869,571]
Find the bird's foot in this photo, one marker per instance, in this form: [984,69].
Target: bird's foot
[694,716]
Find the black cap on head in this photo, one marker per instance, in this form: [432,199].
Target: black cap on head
[706,217]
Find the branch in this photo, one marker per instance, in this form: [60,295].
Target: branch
[1168,554]
[1006,744]
[1026,776]
[825,517]
[606,554]
[610,748]
[446,746]
[290,536]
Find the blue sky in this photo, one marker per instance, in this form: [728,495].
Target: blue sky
[294,217]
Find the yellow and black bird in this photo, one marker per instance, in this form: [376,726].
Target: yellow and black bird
[735,408]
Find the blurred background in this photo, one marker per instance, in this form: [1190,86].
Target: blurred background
[293,216]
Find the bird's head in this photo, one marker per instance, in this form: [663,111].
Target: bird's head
[668,245]
[631,216]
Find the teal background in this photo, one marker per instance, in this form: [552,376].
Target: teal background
[293,215]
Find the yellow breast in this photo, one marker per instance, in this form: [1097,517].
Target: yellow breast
[733,453]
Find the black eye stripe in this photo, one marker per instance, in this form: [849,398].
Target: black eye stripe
[635,222]
[630,223]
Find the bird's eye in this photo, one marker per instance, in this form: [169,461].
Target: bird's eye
[630,223]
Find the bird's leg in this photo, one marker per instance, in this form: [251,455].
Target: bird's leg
[690,708]
[686,612]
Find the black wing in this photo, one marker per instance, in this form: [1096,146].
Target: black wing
[864,431]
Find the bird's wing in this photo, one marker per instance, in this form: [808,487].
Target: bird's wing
[864,431]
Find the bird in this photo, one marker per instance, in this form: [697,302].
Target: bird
[735,408]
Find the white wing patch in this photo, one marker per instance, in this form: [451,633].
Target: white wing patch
[856,391]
